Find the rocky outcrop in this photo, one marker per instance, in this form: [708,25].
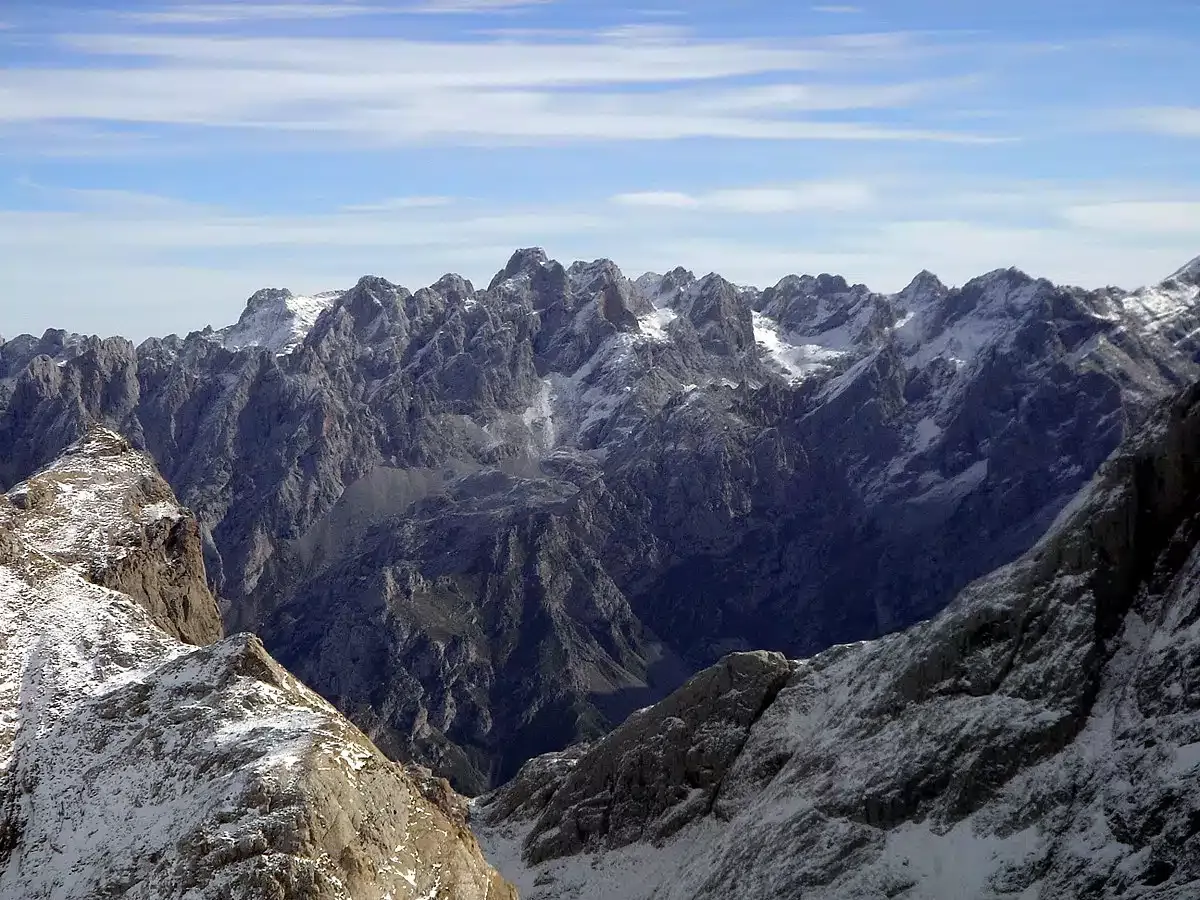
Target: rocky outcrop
[1037,739]
[659,771]
[134,764]
[531,509]
[105,512]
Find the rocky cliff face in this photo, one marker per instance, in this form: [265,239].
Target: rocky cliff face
[105,512]
[1040,738]
[488,523]
[133,764]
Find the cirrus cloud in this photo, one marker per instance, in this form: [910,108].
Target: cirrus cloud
[828,196]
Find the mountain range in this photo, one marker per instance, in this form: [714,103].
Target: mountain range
[490,523]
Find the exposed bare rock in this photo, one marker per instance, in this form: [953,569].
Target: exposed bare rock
[491,523]
[661,769]
[106,513]
[133,764]
[1038,739]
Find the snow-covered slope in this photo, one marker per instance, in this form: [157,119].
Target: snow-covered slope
[1160,307]
[135,765]
[276,319]
[1039,739]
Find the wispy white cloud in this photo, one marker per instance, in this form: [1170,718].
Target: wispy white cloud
[230,13]
[386,92]
[140,232]
[395,203]
[838,10]
[224,13]
[827,196]
[1173,121]
[647,33]
[108,200]
[657,200]
[447,7]
[499,63]
[1144,218]
[798,97]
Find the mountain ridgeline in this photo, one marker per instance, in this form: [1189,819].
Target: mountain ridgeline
[487,524]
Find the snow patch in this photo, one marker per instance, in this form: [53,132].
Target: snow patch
[798,361]
[1156,308]
[925,434]
[539,417]
[654,325]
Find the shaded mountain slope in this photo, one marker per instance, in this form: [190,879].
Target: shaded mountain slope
[1040,738]
[490,522]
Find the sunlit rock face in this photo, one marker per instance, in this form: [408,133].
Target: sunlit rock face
[143,755]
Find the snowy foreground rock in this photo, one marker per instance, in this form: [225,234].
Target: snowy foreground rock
[1038,739]
[133,764]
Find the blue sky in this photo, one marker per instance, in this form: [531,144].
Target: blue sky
[159,161]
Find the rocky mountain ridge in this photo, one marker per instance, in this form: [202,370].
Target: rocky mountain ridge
[1040,738]
[489,523]
[133,764]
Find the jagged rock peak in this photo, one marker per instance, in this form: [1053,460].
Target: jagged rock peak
[133,764]
[527,257]
[826,284]
[267,297]
[594,276]
[375,286]
[454,288]
[372,297]
[103,511]
[924,285]
[1010,277]
[789,283]
[1189,273]
[523,261]
[714,281]
[664,290]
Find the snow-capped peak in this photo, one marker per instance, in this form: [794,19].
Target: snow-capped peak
[1189,273]
[276,319]
[663,290]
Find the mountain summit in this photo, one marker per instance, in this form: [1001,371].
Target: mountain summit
[276,319]
[134,764]
[490,523]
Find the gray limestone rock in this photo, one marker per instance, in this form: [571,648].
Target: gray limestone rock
[490,523]
[1036,739]
[658,771]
